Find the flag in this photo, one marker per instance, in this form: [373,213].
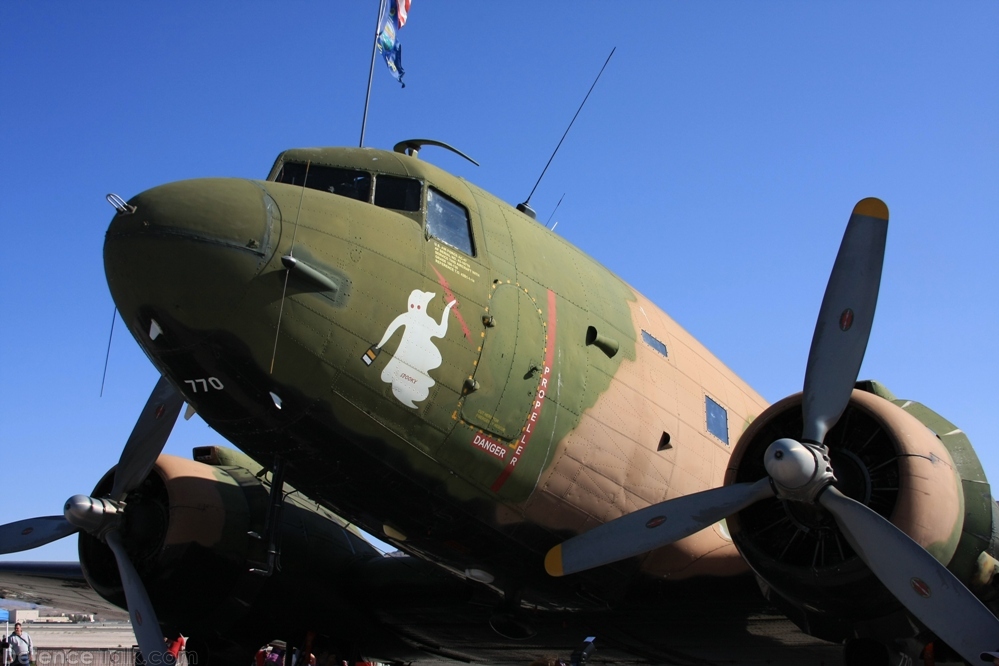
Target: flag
[394,15]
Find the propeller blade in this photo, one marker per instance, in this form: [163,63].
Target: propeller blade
[140,609]
[654,526]
[32,533]
[148,437]
[923,585]
[845,319]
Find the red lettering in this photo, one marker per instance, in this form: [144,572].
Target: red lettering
[493,448]
[539,400]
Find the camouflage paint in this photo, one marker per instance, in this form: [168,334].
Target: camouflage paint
[525,423]
[974,534]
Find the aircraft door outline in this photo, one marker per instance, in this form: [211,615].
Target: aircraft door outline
[500,393]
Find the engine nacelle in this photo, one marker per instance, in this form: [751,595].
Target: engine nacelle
[882,456]
[197,535]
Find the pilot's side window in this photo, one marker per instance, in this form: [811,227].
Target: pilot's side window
[447,221]
[344,182]
[398,193]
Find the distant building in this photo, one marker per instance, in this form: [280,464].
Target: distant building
[22,615]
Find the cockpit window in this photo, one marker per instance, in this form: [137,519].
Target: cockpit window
[447,221]
[345,182]
[398,193]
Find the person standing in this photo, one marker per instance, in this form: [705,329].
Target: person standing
[22,650]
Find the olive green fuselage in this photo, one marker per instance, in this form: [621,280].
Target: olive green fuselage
[282,364]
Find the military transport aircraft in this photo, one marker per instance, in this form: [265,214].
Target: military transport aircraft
[392,347]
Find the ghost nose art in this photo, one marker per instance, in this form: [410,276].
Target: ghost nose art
[189,249]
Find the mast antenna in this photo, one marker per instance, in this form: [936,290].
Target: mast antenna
[525,207]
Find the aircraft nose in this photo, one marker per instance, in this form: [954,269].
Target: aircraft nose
[230,211]
[189,249]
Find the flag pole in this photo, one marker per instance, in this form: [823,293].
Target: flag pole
[371,70]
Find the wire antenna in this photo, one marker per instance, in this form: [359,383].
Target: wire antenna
[554,211]
[107,356]
[291,253]
[525,207]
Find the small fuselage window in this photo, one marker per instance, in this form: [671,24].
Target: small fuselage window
[717,419]
[398,193]
[447,221]
[344,182]
[655,343]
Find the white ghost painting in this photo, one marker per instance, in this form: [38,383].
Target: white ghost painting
[416,356]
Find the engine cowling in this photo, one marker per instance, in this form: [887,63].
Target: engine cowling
[196,533]
[882,456]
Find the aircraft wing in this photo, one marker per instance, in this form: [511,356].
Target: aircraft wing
[407,606]
[56,584]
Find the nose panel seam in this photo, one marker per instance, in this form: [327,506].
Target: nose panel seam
[186,235]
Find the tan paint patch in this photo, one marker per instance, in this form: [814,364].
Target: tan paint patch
[197,511]
[609,466]
[703,554]
[930,506]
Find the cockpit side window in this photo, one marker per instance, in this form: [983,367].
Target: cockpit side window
[344,182]
[447,221]
[398,193]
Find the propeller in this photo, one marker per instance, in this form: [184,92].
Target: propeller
[646,529]
[101,517]
[32,533]
[845,320]
[924,586]
[800,471]
[148,438]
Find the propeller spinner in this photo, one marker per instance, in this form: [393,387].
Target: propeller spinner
[801,471]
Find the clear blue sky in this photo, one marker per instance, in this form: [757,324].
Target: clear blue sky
[714,169]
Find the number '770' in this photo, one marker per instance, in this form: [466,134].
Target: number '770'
[205,383]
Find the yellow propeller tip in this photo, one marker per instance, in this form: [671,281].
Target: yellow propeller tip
[871,207]
[553,561]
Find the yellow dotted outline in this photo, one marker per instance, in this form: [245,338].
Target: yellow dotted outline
[544,325]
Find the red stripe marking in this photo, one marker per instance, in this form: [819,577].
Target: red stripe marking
[539,400]
[450,295]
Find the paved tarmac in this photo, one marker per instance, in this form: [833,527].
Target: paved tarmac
[90,635]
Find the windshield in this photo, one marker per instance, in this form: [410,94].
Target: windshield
[344,182]
[447,221]
[398,193]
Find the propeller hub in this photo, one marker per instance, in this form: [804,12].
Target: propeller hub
[799,471]
[789,463]
[93,516]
